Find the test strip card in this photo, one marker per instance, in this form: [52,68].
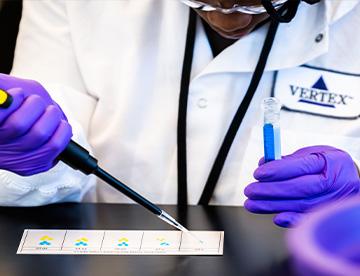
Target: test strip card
[120,242]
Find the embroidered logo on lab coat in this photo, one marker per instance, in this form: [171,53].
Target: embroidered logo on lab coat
[319,91]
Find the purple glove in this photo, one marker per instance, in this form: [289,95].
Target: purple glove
[309,177]
[33,130]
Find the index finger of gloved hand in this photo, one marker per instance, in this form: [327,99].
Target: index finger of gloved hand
[277,206]
[288,219]
[40,132]
[21,120]
[305,186]
[287,168]
[18,98]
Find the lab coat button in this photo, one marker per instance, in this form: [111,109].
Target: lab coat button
[319,37]
[202,103]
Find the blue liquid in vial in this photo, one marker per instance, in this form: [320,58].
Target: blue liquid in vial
[272,149]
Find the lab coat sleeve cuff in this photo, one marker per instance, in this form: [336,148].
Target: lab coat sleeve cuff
[60,184]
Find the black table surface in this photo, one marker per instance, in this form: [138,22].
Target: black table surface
[253,245]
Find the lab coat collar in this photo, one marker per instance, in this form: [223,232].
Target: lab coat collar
[335,10]
[295,43]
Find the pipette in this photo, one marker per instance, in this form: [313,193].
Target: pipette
[80,159]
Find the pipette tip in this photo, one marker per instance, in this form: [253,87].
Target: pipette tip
[170,220]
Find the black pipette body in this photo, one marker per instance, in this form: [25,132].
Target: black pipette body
[99,172]
[80,159]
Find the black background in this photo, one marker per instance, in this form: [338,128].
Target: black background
[10,14]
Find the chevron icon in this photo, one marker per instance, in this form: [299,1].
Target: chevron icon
[123,242]
[44,243]
[45,240]
[163,241]
[82,242]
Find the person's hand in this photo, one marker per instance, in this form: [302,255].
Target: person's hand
[307,178]
[33,130]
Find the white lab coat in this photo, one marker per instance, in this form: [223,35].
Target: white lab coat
[115,68]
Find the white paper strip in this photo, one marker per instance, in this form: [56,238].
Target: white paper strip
[118,242]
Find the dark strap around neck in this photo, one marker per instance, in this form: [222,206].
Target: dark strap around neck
[183,100]
[235,124]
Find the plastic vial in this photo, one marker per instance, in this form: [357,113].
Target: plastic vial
[271,129]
